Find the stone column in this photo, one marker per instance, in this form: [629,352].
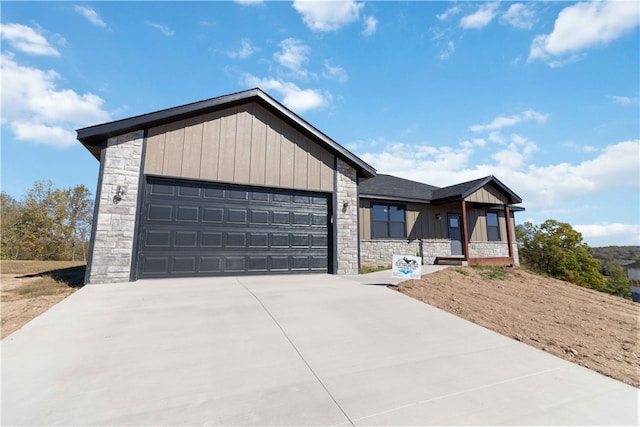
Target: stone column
[346,218]
[114,225]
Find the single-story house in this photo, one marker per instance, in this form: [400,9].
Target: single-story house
[633,273]
[240,184]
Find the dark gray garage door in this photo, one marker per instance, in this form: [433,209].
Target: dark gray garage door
[200,229]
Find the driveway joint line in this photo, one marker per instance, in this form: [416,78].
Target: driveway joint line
[298,351]
[457,393]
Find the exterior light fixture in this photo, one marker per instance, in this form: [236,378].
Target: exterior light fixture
[345,206]
[438,216]
[121,190]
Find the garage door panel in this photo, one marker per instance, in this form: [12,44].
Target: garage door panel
[192,229]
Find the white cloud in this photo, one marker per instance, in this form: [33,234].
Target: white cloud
[293,56]
[585,25]
[245,51]
[328,15]
[506,121]
[297,99]
[370,25]
[480,18]
[519,15]
[27,40]
[334,72]
[454,10]
[624,234]
[624,100]
[90,15]
[36,110]
[163,29]
[541,186]
[448,51]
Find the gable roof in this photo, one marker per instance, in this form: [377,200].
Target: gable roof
[390,187]
[94,137]
[465,189]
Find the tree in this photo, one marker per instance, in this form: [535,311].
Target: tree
[556,249]
[10,211]
[49,224]
[617,280]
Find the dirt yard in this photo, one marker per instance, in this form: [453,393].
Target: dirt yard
[592,329]
[29,288]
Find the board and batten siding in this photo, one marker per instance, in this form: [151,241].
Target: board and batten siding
[420,219]
[244,145]
[487,194]
[478,225]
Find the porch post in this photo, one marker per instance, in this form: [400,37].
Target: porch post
[465,237]
[507,216]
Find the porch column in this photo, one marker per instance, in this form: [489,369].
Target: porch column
[465,237]
[507,216]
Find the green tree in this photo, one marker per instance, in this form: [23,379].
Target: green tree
[49,224]
[617,281]
[556,249]
[10,211]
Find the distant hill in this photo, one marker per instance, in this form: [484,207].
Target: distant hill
[620,254]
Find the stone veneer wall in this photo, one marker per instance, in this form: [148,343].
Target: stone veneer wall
[493,249]
[346,219]
[110,259]
[380,252]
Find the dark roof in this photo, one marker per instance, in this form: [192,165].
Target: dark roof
[463,190]
[390,187]
[94,137]
[632,265]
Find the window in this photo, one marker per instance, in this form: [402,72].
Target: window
[493,227]
[388,222]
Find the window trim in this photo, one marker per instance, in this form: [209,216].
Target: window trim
[401,207]
[490,227]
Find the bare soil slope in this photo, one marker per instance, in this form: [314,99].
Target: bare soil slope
[592,329]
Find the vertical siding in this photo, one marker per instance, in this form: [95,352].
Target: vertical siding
[286,158]
[258,147]
[192,148]
[421,222]
[273,155]
[155,155]
[300,161]
[227,149]
[365,219]
[210,146]
[326,171]
[243,143]
[488,194]
[174,147]
[246,145]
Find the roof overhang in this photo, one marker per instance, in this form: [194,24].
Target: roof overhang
[94,137]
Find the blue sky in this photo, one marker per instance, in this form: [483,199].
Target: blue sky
[543,95]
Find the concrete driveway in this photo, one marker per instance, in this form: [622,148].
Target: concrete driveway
[286,350]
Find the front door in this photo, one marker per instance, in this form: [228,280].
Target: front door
[455,234]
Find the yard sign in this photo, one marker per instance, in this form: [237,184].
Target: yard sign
[406,267]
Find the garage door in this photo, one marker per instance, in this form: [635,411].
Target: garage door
[199,229]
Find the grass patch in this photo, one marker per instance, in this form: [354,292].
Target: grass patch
[491,273]
[373,268]
[461,271]
[44,286]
